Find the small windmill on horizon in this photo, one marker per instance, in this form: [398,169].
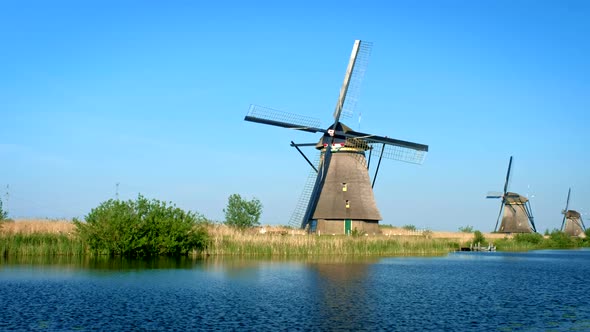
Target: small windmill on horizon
[572,223]
[515,210]
[339,196]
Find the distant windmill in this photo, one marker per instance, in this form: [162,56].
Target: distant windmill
[340,197]
[572,223]
[515,210]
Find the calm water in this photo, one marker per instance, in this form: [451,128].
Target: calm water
[542,290]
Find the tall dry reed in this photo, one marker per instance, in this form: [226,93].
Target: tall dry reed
[227,241]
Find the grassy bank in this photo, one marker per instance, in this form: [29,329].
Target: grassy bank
[41,237]
[226,241]
[59,238]
[36,244]
[554,240]
[38,237]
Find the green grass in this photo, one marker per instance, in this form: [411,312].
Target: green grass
[37,244]
[224,241]
[535,241]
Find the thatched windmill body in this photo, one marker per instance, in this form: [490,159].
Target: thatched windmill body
[572,223]
[515,210]
[339,197]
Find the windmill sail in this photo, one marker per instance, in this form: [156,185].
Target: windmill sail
[361,61]
[299,211]
[269,116]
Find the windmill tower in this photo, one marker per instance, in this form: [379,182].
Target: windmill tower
[515,210]
[572,223]
[341,197]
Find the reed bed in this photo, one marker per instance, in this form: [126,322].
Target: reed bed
[37,244]
[511,245]
[35,226]
[39,237]
[226,241]
[59,238]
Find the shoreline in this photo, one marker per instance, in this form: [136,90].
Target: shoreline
[59,237]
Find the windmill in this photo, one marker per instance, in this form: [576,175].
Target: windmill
[572,223]
[340,196]
[515,210]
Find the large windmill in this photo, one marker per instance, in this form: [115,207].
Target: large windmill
[340,197]
[572,223]
[515,210]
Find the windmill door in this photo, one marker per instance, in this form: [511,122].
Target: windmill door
[347,226]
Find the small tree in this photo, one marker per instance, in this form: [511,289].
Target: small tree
[409,227]
[479,238]
[241,213]
[3,214]
[466,229]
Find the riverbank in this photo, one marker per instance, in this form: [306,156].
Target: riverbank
[58,237]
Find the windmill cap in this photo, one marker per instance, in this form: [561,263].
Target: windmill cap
[335,138]
[515,198]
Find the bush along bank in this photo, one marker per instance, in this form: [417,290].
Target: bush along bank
[142,228]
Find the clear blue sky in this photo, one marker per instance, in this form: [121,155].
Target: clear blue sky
[152,95]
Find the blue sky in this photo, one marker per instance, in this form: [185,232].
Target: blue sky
[152,95]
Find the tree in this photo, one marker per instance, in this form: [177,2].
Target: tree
[466,229]
[3,214]
[241,213]
[409,227]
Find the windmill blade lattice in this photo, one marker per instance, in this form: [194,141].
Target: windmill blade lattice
[356,79]
[299,211]
[399,153]
[278,118]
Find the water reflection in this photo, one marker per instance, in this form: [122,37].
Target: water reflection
[100,262]
[341,285]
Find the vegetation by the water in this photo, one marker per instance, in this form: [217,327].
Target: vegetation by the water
[36,244]
[466,229]
[479,238]
[531,241]
[141,228]
[228,241]
[242,213]
[409,227]
[42,237]
[3,214]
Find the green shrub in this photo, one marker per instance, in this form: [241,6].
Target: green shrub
[479,238]
[560,240]
[241,213]
[532,238]
[142,228]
